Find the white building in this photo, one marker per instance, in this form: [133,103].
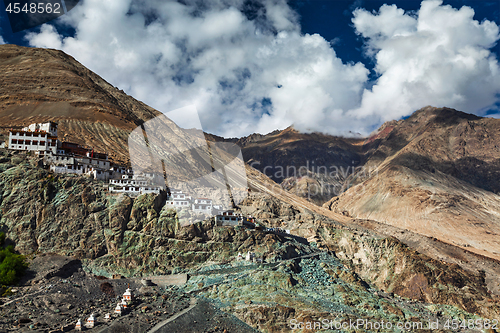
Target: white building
[129,180]
[202,205]
[100,174]
[80,165]
[68,168]
[133,184]
[178,199]
[50,127]
[40,138]
[94,162]
[228,218]
[135,190]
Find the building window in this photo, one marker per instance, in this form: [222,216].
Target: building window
[35,142]
[42,143]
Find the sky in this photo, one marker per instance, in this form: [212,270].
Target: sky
[334,66]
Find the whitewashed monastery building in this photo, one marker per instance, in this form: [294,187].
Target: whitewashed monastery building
[66,157]
[40,138]
[135,184]
[177,199]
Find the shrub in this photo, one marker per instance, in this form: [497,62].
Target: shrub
[12,265]
[107,288]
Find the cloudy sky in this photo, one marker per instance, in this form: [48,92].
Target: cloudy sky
[250,66]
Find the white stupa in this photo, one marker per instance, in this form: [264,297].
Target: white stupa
[128,296]
[124,303]
[78,326]
[90,321]
[119,309]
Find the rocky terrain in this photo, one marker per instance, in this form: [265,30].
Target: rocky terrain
[325,269]
[435,173]
[412,241]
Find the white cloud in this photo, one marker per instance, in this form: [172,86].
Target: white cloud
[439,57]
[47,38]
[1,40]
[255,72]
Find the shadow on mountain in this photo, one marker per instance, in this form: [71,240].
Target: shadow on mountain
[469,169]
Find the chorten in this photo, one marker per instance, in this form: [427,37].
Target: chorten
[90,321]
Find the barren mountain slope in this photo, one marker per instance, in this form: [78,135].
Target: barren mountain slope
[435,173]
[40,85]
[310,165]
[462,145]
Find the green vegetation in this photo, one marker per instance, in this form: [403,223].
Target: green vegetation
[12,265]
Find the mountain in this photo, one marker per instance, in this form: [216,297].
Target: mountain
[436,173]
[42,84]
[314,166]
[333,264]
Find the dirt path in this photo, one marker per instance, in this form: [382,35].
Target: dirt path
[158,326]
[19,298]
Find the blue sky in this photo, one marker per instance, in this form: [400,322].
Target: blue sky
[334,66]
[329,18]
[332,19]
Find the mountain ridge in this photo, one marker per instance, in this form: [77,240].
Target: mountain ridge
[89,110]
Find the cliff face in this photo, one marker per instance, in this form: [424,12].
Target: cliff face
[40,85]
[394,267]
[75,216]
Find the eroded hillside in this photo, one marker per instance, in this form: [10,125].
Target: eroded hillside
[39,85]
[435,173]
